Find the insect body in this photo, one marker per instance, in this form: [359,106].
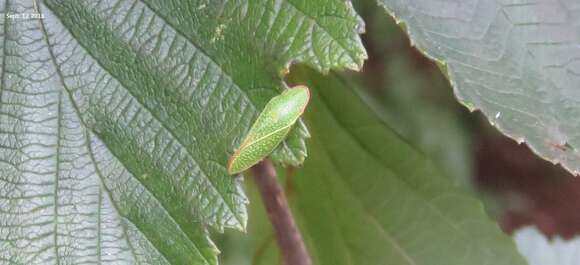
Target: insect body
[270,128]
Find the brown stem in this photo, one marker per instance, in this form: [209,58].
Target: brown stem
[289,240]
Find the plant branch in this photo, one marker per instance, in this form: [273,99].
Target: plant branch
[289,239]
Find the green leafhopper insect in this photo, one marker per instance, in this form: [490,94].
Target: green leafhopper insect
[270,128]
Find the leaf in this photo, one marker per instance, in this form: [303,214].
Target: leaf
[539,250]
[516,61]
[427,121]
[117,119]
[292,151]
[364,196]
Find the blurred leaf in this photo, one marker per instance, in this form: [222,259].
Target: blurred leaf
[516,61]
[117,118]
[414,104]
[539,250]
[364,196]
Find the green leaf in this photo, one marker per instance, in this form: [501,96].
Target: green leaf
[292,151]
[516,61]
[364,196]
[117,119]
[427,120]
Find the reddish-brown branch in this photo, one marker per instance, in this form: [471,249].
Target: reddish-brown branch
[289,239]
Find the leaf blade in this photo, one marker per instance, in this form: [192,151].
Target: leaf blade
[391,204]
[115,127]
[509,60]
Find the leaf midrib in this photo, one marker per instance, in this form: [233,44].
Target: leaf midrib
[58,141]
[3,74]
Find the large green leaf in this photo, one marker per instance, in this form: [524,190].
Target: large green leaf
[364,196]
[516,61]
[117,118]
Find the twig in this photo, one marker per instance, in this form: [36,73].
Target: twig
[289,240]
